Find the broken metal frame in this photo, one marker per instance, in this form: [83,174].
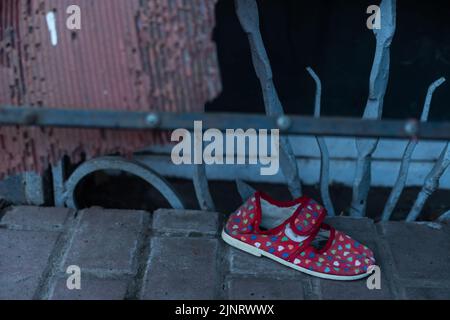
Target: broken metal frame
[368,131]
[64,188]
[400,183]
[247,11]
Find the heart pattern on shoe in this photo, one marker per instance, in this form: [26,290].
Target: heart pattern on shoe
[342,256]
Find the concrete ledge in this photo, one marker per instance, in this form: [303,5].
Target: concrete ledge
[185,221]
[36,218]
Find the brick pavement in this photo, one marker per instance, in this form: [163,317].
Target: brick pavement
[174,254]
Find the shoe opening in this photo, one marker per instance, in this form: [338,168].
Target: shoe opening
[273,216]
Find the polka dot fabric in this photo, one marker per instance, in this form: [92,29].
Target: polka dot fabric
[291,241]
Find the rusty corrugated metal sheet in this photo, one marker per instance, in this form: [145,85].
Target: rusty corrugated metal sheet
[129,54]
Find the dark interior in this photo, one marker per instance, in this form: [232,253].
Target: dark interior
[331,36]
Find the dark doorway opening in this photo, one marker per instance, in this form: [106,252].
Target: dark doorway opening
[332,37]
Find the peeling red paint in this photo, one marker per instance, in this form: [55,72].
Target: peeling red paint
[129,54]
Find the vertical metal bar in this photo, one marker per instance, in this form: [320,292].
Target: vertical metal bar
[324,154]
[201,187]
[431,183]
[406,160]
[377,89]
[247,12]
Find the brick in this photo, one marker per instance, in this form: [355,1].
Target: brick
[28,217]
[427,293]
[24,256]
[264,289]
[186,221]
[353,290]
[245,263]
[91,289]
[106,240]
[419,252]
[181,268]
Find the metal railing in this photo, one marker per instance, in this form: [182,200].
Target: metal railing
[367,131]
[288,125]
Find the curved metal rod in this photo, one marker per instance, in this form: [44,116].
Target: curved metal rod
[325,156]
[248,15]
[431,183]
[406,160]
[117,163]
[201,186]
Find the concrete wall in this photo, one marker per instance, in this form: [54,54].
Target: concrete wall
[386,163]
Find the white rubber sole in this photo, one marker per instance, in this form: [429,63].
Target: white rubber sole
[260,253]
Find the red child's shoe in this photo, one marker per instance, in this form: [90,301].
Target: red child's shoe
[293,234]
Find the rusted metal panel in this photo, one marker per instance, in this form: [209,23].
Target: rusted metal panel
[146,55]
